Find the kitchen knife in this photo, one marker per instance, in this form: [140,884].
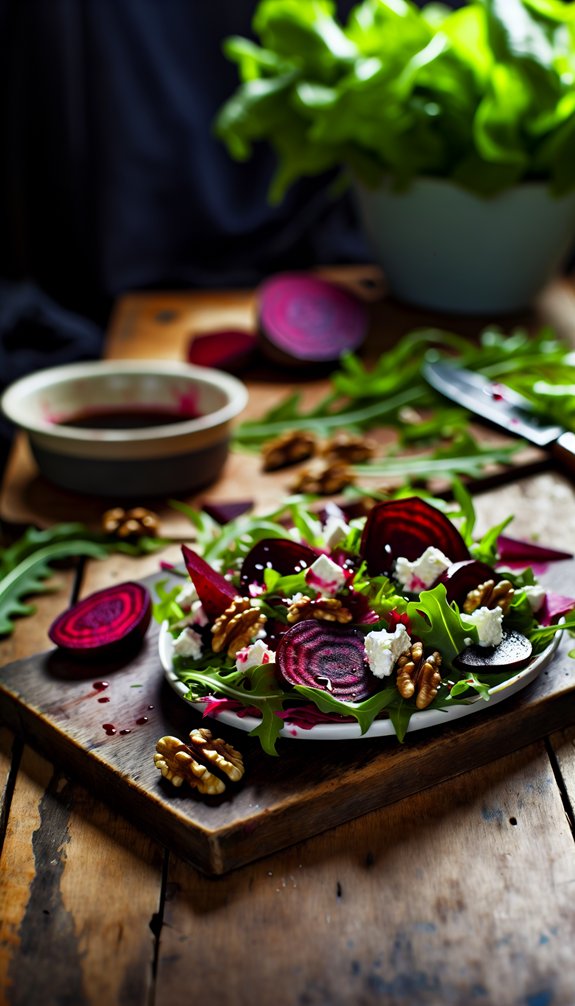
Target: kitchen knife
[496,403]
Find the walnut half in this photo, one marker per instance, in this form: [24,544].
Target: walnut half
[179,762]
[236,627]
[418,675]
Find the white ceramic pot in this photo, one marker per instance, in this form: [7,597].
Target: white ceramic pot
[444,248]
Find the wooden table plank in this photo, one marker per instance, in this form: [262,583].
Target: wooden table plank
[429,901]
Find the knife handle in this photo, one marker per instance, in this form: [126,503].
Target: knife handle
[563,451]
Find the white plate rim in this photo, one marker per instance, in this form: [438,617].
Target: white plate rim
[422,720]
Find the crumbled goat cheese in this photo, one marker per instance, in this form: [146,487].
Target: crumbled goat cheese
[422,572]
[488,622]
[196,615]
[325,575]
[383,648]
[335,530]
[186,596]
[254,655]
[535,594]
[188,644]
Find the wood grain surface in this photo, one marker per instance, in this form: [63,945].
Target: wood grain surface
[459,894]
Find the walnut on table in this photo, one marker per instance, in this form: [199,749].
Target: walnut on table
[418,675]
[236,627]
[287,449]
[490,595]
[323,478]
[133,523]
[354,448]
[180,762]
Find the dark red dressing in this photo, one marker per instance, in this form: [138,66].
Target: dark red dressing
[125,418]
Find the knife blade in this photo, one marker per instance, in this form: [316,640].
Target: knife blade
[498,404]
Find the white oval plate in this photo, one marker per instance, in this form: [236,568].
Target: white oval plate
[379,728]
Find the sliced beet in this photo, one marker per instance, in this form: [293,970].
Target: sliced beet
[229,349]
[320,656]
[224,512]
[461,577]
[105,621]
[514,550]
[513,653]
[214,591]
[282,554]
[406,527]
[306,320]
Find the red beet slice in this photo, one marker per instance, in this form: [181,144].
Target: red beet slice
[513,550]
[281,554]
[320,656]
[406,527]
[554,607]
[105,621]
[306,320]
[224,512]
[461,577]
[513,653]
[214,591]
[230,349]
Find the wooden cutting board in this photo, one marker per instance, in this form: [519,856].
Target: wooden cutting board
[101,724]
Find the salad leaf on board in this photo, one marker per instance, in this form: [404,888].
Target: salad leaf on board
[27,564]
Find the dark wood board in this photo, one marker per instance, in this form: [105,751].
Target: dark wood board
[54,705]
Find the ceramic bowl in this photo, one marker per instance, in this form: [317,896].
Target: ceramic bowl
[127,429]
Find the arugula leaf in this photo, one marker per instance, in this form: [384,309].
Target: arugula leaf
[364,712]
[439,623]
[258,689]
[27,563]
[29,575]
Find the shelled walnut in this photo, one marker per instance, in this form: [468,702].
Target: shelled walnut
[352,448]
[324,609]
[323,478]
[490,595]
[180,762]
[418,675]
[287,449]
[134,523]
[236,627]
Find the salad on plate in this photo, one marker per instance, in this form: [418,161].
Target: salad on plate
[339,623]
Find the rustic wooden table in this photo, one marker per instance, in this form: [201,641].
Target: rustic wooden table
[462,893]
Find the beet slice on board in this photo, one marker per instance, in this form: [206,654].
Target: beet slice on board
[320,656]
[306,320]
[214,591]
[512,653]
[406,527]
[104,622]
[282,554]
[229,349]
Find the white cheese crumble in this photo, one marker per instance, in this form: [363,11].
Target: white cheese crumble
[186,596]
[535,594]
[188,644]
[254,655]
[422,572]
[325,576]
[383,648]
[335,530]
[488,622]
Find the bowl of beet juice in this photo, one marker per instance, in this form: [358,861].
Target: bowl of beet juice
[127,429]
